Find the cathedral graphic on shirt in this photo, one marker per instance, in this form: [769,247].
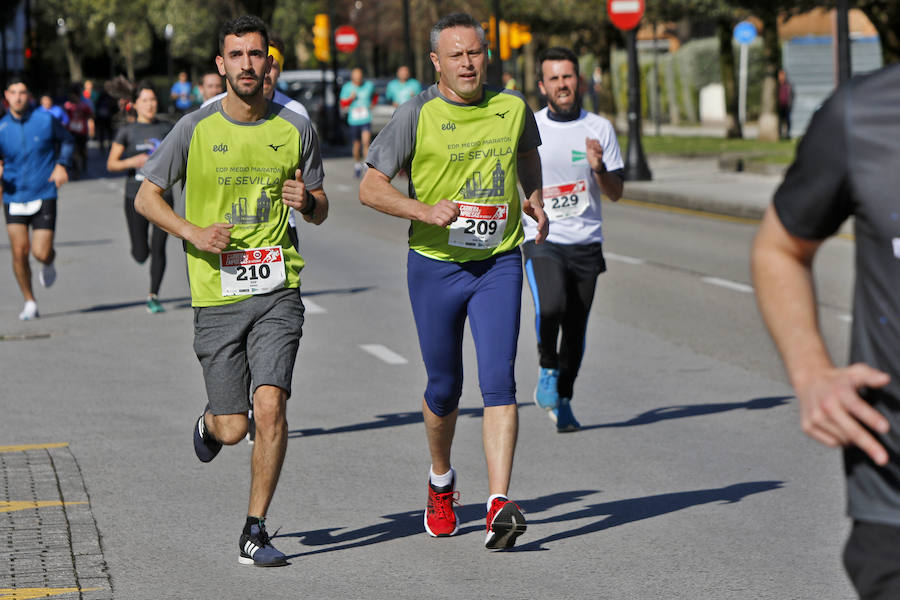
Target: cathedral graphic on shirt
[240,214]
[474,188]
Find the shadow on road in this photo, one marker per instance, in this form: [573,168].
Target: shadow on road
[382,421]
[602,516]
[694,410]
[72,244]
[651,416]
[173,303]
[622,512]
[177,303]
[338,291]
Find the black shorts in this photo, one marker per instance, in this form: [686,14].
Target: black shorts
[585,261]
[872,560]
[356,131]
[44,218]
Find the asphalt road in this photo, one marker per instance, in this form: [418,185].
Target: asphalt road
[689,479]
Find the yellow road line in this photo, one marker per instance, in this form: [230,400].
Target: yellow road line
[24,447]
[688,211]
[702,213]
[15,505]
[31,593]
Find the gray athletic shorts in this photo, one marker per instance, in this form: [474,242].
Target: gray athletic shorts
[254,339]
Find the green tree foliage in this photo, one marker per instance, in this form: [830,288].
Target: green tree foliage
[885,16]
[85,26]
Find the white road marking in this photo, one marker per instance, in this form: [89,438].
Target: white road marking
[624,259]
[383,353]
[312,308]
[846,318]
[728,284]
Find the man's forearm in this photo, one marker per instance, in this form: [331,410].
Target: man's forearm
[611,185]
[376,192]
[528,165]
[786,297]
[150,203]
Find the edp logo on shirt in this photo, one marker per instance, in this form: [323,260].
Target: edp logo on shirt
[448,126]
[223,148]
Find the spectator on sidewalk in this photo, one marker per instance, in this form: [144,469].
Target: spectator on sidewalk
[785,105]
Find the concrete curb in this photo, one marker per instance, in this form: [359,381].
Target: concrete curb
[719,206]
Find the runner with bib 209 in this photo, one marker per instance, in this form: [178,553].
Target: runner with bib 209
[465,147]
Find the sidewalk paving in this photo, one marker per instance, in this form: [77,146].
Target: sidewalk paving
[699,184]
[52,547]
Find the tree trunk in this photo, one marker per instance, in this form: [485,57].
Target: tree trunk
[73,60]
[729,80]
[606,99]
[127,50]
[529,75]
[768,119]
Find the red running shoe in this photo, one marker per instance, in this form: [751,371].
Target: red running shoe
[440,518]
[504,524]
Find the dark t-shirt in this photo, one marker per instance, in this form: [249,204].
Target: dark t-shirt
[139,138]
[847,164]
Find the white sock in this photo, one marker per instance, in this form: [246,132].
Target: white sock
[441,480]
[491,499]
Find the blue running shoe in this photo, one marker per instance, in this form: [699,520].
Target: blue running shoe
[205,445]
[256,549]
[545,394]
[565,420]
[153,305]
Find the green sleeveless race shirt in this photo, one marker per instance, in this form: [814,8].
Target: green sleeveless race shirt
[467,154]
[232,172]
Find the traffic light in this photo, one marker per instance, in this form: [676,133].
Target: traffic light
[512,35]
[504,41]
[519,35]
[489,29]
[321,35]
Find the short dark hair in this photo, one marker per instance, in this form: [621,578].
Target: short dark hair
[276,42]
[455,20]
[140,87]
[241,26]
[555,53]
[13,80]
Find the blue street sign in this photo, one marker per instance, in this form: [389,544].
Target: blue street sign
[744,32]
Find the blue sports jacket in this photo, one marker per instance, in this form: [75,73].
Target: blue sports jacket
[30,148]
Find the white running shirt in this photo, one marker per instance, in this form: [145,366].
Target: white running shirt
[571,194]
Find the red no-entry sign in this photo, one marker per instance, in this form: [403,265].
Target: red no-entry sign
[346,39]
[625,14]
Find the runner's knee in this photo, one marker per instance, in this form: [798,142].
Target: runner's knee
[140,254]
[44,255]
[20,251]
[442,395]
[269,404]
[230,429]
